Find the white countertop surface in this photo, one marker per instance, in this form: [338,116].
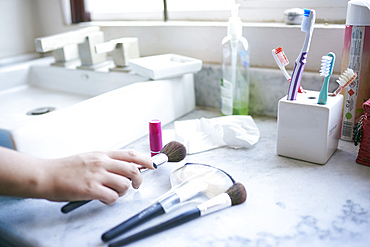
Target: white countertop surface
[290,202]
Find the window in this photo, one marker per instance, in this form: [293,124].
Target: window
[125,9]
[333,11]
[196,27]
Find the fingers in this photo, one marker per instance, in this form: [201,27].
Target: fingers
[110,188]
[124,162]
[128,170]
[106,195]
[117,183]
[103,175]
[131,156]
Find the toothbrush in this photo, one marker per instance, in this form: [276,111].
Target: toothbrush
[282,61]
[307,26]
[346,78]
[327,65]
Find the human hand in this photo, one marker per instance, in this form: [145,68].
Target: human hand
[96,175]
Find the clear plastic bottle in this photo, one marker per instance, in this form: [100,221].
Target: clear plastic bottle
[235,64]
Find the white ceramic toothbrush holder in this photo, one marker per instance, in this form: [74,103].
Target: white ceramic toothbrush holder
[306,130]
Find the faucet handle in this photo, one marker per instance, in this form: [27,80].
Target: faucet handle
[122,49]
[89,58]
[77,45]
[57,41]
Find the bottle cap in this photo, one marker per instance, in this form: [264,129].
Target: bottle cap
[358,13]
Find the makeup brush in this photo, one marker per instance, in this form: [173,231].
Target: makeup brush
[180,193]
[188,181]
[175,151]
[235,195]
[172,152]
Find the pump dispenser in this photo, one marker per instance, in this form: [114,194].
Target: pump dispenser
[234,27]
[235,64]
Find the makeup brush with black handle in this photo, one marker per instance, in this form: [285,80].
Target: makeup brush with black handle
[171,152]
[235,195]
[183,192]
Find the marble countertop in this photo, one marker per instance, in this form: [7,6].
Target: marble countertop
[290,202]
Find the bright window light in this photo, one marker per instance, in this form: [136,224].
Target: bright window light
[196,5]
[331,11]
[124,6]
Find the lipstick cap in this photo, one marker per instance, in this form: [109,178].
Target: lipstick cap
[155,136]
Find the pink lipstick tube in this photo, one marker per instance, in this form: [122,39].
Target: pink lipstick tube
[155,137]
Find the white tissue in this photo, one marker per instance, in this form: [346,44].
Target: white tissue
[203,134]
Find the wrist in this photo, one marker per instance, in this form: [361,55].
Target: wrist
[44,175]
[20,175]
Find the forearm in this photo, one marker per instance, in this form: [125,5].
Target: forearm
[20,175]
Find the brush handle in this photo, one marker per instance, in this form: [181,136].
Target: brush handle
[337,91]
[72,206]
[323,96]
[145,215]
[341,88]
[300,89]
[295,82]
[181,219]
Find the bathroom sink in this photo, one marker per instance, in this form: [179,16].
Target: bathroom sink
[51,112]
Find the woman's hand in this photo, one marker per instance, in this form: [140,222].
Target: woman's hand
[96,175]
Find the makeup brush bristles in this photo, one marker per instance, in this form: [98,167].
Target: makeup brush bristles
[175,151]
[237,194]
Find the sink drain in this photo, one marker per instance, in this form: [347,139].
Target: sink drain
[40,111]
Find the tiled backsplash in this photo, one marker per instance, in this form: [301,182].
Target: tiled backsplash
[267,87]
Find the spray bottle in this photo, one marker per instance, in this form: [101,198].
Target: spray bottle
[235,64]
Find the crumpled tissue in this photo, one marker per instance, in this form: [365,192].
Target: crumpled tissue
[203,134]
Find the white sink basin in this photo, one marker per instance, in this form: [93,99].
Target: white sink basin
[52,112]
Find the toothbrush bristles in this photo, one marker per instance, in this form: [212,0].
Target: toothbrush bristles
[345,77]
[325,65]
[281,56]
[304,23]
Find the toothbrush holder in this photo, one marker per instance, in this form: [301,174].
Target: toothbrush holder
[306,130]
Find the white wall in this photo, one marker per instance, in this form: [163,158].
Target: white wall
[50,20]
[17,27]
[21,21]
[203,41]
[24,20]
